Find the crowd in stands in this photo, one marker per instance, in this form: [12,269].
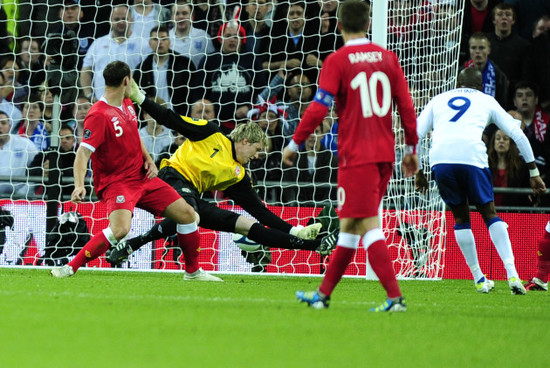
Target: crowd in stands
[254,60]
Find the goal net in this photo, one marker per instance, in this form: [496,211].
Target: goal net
[48,83]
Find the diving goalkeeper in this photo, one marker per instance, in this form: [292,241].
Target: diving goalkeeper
[208,160]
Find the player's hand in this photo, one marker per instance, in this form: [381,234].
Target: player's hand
[137,95]
[409,165]
[420,182]
[289,156]
[78,194]
[151,169]
[539,188]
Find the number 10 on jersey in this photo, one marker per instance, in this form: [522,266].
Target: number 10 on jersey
[369,95]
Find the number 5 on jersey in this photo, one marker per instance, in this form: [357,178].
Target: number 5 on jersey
[118,128]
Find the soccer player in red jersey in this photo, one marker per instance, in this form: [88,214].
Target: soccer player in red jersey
[540,281]
[125,177]
[363,79]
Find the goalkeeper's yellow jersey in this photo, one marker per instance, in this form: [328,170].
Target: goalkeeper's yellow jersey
[206,158]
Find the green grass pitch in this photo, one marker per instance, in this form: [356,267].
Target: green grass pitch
[135,319]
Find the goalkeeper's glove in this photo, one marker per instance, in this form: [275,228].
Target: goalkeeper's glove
[309,232]
[137,95]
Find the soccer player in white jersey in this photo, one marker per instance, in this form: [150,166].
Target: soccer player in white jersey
[458,160]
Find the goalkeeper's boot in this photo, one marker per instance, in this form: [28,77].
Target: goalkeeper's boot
[536,284]
[391,305]
[328,218]
[119,253]
[313,299]
[484,285]
[200,275]
[516,287]
[63,271]
[328,243]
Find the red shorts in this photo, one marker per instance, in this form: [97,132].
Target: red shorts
[361,188]
[151,195]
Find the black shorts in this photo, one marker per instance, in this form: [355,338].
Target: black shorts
[211,216]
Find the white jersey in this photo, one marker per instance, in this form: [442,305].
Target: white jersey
[458,118]
[15,158]
[195,46]
[105,50]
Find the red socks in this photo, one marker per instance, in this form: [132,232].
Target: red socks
[379,259]
[93,249]
[338,264]
[543,258]
[190,245]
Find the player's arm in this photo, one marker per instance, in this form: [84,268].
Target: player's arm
[192,129]
[313,116]
[424,126]
[244,196]
[79,170]
[405,106]
[148,163]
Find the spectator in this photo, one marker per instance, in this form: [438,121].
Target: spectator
[31,62]
[41,166]
[330,130]
[508,170]
[477,18]
[268,166]
[507,48]
[232,79]
[154,136]
[6,32]
[536,67]
[209,15]
[315,165]
[534,123]
[169,150]
[296,49]
[541,25]
[83,105]
[257,30]
[148,15]
[71,14]
[14,114]
[299,94]
[16,154]
[13,91]
[32,125]
[120,44]
[189,41]
[495,83]
[203,109]
[528,12]
[167,74]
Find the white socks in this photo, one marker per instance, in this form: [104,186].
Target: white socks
[499,235]
[467,244]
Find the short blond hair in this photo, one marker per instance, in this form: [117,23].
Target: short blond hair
[251,131]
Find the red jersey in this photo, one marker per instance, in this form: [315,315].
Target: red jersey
[364,79]
[111,133]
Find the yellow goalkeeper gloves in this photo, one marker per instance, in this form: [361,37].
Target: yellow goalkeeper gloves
[308,232]
[137,95]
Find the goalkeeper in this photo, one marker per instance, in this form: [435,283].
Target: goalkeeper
[209,160]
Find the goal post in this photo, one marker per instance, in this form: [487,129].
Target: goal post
[425,34]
